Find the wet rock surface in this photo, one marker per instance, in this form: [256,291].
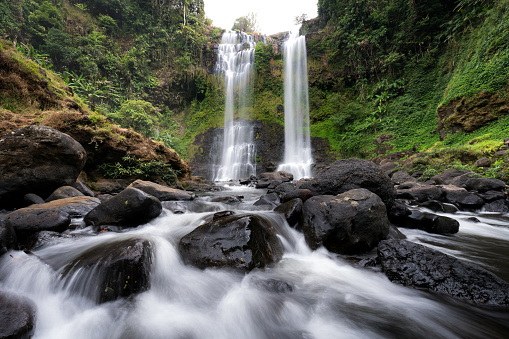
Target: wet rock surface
[161,192]
[64,192]
[241,242]
[419,266]
[37,159]
[428,222]
[131,207]
[8,238]
[347,174]
[351,222]
[28,221]
[17,316]
[121,268]
[292,210]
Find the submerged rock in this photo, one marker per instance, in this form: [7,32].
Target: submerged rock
[242,242]
[17,316]
[351,222]
[129,208]
[37,159]
[419,266]
[111,270]
[347,174]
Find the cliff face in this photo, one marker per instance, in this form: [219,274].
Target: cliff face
[269,142]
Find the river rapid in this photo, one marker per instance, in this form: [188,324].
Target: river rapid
[308,294]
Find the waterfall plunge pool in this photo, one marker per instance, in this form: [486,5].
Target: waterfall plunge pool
[308,294]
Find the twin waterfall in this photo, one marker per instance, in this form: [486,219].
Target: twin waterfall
[235,62]
[298,158]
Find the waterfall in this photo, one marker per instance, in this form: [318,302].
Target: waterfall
[297,156]
[235,62]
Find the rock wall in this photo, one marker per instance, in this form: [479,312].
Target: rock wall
[269,140]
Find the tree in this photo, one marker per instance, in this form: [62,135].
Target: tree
[300,19]
[247,23]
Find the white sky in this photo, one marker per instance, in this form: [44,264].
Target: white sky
[273,16]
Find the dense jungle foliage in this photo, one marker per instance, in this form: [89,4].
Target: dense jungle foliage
[385,76]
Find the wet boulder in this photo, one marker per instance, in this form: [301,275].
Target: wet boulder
[111,270]
[428,222]
[37,159]
[27,221]
[302,194]
[292,210]
[461,197]
[418,192]
[347,174]
[129,208]
[31,199]
[234,199]
[80,186]
[485,184]
[401,177]
[491,196]
[241,242]
[271,200]
[48,238]
[500,206]
[64,192]
[351,222]
[419,266]
[161,192]
[451,176]
[17,316]
[8,238]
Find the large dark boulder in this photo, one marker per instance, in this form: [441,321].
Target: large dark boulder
[347,174]
[129,208]
[37,159]
[351,222]
[419,266]
[242,242]
[28,221]
[17,316]
[51,216]
[163,193]
[111,270]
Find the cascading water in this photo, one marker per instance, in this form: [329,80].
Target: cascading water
[236,61]
[297,156]
[320,295]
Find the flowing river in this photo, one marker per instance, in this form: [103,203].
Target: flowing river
[308,294]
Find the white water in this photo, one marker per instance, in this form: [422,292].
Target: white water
[330,297]
[236,61]
[297,157]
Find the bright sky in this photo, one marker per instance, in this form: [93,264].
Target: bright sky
[274,16]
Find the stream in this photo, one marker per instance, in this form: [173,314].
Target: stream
[308,294]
